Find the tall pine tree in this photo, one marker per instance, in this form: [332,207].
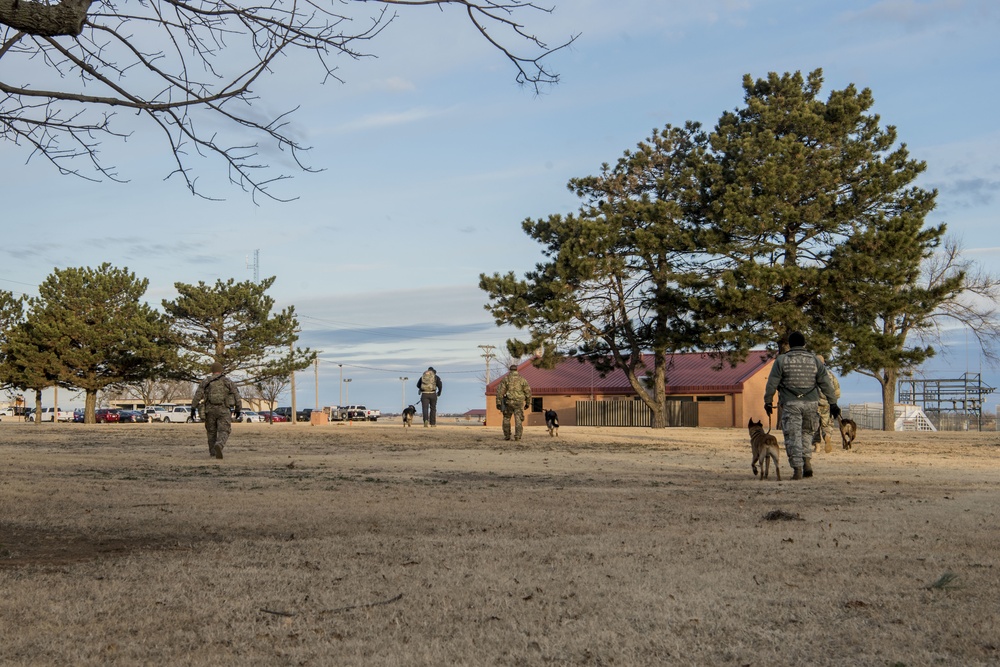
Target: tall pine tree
[232,323]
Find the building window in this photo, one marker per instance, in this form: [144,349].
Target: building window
[711,399]
[536,405]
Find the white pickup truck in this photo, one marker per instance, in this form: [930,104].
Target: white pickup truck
[51,415]
[360,413]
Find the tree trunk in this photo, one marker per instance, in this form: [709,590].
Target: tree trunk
[89,405]
[38,406]
[888,381]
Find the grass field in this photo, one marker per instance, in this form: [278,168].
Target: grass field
[368,544]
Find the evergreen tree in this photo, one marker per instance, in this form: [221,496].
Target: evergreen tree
[796,213]
[232,323]
[819,228]
[618,280]
[88,330]
[23,364]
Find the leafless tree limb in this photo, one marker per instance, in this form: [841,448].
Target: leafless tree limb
[69,65]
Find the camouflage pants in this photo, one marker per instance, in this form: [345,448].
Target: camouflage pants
[824,427]
[799,421]
[518,415]
[218,425]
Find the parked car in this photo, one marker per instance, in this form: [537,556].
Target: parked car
[179,414]
[272,417]
[248,416]
[7,413]
[107,415]
[78,415]
[133,417]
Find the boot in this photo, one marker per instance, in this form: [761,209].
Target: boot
[797,474]
[807,468]
[829,445]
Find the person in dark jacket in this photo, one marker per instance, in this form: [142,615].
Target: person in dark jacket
[430,386]
[799,377]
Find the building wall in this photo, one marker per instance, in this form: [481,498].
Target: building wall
[752,404]
[732,412]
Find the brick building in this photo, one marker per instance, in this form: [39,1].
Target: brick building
[705,395]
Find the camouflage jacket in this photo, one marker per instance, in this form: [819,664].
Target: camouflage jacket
[513,391]
[233,401]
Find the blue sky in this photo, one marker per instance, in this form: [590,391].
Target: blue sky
[432,157]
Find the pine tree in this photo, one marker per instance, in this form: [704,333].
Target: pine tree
[612,289]
[88,329]
[232,323]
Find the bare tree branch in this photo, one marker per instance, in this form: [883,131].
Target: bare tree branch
[67,64]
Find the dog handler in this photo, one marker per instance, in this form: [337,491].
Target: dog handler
[513,398]
[430,386]
[822,434]
[799,377]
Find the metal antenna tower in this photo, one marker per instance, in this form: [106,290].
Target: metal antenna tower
[255,265]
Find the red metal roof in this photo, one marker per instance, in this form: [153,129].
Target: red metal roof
[688,373]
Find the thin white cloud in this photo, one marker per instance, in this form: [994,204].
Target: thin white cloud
[383,120]
[917,15]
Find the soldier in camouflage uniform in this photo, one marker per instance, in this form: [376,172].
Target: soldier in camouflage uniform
[822,434]
[513,398]
[222,403]
[799,378]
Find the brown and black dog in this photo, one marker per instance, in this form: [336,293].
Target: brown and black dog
[408,413]
[765,448]
[848,431]
[552,422]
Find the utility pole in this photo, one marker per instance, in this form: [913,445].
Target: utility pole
[488,355]
[291,349]
[316,369]
[348,389]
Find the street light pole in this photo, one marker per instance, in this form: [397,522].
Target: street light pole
[346,384]
[341,386]
[402,398]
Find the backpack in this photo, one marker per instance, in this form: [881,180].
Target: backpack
[216,392]
[428,382]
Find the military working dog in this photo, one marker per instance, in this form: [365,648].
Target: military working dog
[408,415]
[552,422]
[848,431]
[765,448]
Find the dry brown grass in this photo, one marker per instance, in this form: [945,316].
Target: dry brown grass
[370,544]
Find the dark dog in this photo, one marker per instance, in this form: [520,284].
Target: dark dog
[408,415]
[848,431]
[765,448]
[552,422]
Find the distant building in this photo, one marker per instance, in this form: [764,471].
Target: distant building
[723,397]
[474,415]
